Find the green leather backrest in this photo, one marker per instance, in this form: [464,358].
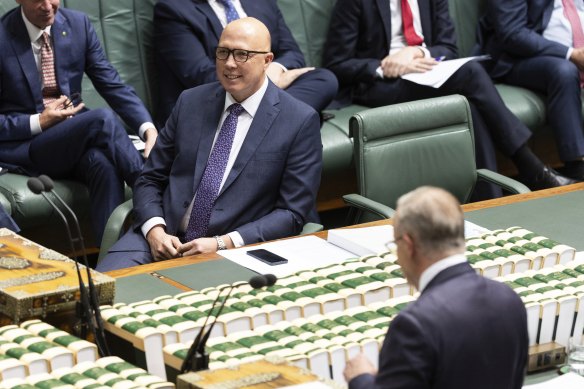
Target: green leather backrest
[465,14]
[124,28]
[309,21]
[403,146]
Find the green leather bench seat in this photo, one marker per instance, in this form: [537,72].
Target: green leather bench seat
[125,29]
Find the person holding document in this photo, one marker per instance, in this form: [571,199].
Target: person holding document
[372,43]
[539,45]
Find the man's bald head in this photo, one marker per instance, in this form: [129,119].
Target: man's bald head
[249,28]
[243,75]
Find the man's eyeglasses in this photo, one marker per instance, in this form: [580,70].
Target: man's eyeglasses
[239,55]
[392,244]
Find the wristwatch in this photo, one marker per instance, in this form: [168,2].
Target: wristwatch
[220,243]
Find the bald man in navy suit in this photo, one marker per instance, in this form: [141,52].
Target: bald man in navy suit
[265,190]
[186,34]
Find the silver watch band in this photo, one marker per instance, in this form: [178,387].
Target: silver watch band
[220,243]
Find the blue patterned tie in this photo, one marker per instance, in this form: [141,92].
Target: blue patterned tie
[230,10]
[212,177]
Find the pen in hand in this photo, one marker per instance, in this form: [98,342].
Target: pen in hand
[441,58]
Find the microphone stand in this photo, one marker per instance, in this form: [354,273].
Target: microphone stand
[83,311]
[197,359]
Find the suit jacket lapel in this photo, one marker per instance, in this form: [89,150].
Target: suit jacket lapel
[206,9]
[426,21]
[23,50]
[61,34]
[385,13]
[262,121]
[213,108]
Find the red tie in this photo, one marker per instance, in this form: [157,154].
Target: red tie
[577,34]
[412,38]
[50,88]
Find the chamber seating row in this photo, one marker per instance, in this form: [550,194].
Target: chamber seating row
[125,29]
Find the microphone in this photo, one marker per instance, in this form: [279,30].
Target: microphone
[197,359]
[36,186]
[91,299]
[270,279]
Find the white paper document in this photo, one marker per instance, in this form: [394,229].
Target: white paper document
[566,381]
[307,252]
[362,241]
[471,230]
[441,72]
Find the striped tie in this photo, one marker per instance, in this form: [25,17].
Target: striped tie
[50,88]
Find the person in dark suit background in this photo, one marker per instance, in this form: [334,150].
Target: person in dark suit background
[369,47]
[464,330]
[186,34]
[534,45]
[44,128]
[187,201]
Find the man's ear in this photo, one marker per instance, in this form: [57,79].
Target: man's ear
[268,58]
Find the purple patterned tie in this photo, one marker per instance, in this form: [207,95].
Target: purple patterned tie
[212,177]
[230,11]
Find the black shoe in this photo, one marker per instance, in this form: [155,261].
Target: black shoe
[574,171]
[547,178]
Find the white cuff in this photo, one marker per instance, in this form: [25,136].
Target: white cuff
[150,223]
[236,239]
[143,129]
[426,51]
[379,72]
[570,50]
[35,124]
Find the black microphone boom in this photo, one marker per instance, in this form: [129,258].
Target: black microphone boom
[90,301]
[197,359]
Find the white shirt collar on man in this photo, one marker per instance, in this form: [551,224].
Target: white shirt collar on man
[431,272]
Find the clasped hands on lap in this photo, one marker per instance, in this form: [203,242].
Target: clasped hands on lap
[164,246]
[408,60]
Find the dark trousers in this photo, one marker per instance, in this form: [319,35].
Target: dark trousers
[316,88]
[557,79]
[6,221]
[493,123]
[94,148]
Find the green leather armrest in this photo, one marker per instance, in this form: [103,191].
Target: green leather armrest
[365,204]
[504,182]
[311,228]
[114,227]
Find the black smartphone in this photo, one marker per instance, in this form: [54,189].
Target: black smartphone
[267,257]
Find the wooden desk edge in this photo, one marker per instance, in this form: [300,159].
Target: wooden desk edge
[157,266]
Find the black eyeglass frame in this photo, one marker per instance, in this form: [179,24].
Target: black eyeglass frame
[233,52]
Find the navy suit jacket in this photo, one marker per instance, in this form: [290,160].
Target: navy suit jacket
[360,35]
[77,51]
[271,190]
[464,331]
[186,34]
[512,30]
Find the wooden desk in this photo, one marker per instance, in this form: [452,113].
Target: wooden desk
[155,267]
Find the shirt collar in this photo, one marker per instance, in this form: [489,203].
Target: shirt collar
[34,33]
[432,271]
[252,103]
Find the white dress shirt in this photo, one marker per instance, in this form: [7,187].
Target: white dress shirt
[431,272]
[398,40]
[250,106]
[34,34]
[559,28]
